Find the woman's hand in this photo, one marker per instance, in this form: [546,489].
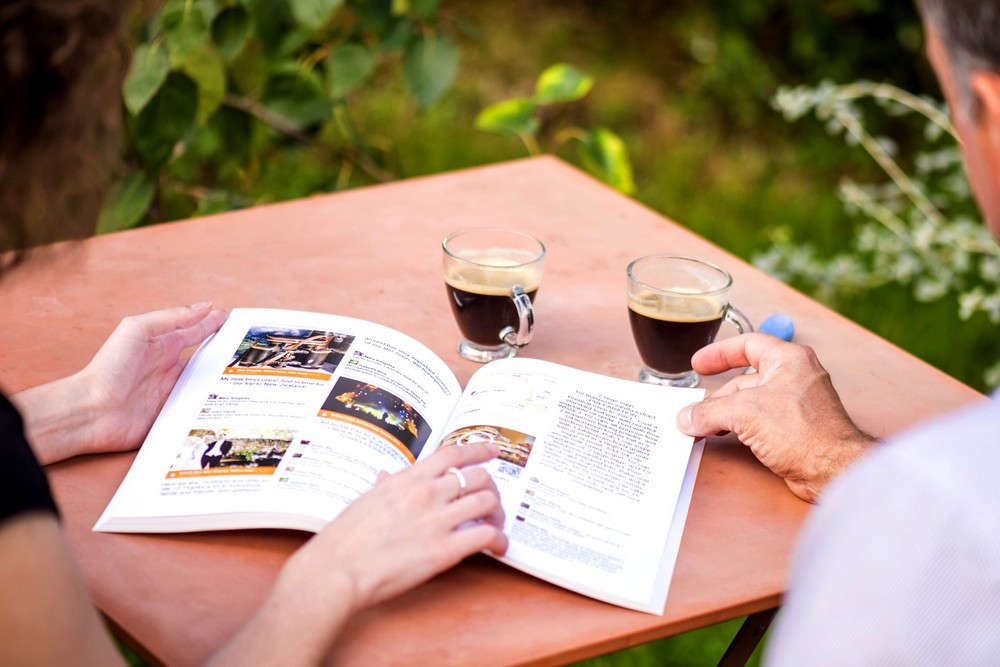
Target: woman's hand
[788,412]
[407,529]
[412,526]
[111,404]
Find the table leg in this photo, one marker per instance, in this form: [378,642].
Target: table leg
[747,638]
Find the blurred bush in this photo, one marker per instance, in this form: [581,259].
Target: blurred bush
[230,103]
[233,102]
[731,56]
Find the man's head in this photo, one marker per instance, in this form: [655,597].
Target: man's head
[963,44]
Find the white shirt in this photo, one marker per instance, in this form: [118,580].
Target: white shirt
[900,563]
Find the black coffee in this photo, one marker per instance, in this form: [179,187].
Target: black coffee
[668,345]
[480,316]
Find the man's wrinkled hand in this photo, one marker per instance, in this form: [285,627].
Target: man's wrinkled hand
[788,412]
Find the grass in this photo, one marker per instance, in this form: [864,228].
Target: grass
[697,648]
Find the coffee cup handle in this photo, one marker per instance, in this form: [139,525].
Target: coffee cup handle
[738,320]
[526,320]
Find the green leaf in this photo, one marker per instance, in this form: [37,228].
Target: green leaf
[271,21]
[313,14]
[167,119]
[184,27]
[562,83]
[293,43]
[348,65]
[297,96]
[398,34]
[430,64]
[604,154]
[373,15]
[212,205]
[235,132]
[127,203]
[146,74]
[230,31]
[425,9]
[175,204]
[206,67]
[516,116]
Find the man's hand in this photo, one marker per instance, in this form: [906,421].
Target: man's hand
[788,412]
[111,404]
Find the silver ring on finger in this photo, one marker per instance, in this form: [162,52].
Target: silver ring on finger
[462,483]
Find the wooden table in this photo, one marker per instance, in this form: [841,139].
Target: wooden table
[374,253]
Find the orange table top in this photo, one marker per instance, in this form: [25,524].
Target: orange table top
[374,253]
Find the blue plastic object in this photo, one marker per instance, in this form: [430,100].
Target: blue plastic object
[779,325]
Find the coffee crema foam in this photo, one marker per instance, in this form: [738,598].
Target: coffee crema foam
[676,309]
[493,272]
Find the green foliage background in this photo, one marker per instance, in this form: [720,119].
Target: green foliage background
[240,102]
[235,103]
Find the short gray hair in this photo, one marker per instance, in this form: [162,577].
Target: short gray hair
[970,33]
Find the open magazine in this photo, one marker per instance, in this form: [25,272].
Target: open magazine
[283,418]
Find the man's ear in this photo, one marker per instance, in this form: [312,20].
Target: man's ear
[986,86]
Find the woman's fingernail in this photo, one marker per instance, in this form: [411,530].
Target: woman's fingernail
[201,305]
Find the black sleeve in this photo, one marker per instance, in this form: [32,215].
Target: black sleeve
[23,486]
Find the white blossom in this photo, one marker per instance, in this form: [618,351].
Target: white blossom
[915,229]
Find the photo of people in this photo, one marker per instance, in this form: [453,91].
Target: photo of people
[515,447]
[380,408]
[207,451]
[301,349]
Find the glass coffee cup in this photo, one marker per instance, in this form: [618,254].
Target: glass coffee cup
[676,306]
[492,276]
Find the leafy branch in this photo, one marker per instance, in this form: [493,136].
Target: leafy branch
[601,151]
[218,87]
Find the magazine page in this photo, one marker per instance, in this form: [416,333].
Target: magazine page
[281,420]
[593,474]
